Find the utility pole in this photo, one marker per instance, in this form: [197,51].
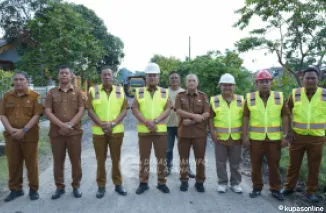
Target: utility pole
[189,48]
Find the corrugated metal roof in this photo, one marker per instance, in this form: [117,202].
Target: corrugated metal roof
[2,42]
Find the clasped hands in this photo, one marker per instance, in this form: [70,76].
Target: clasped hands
[197,119]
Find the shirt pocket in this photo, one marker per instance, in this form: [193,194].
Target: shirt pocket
[199,107]
[28,109]
[57,100]
[185,104]
[9,109]
[74,102]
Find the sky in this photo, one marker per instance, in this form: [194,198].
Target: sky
[149,27]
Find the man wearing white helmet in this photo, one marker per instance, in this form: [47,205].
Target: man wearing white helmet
[225,127]
[151,106]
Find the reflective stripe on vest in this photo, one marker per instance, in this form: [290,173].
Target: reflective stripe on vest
[277,98]
[107,107]
[97,93]
[117,92]
[226,130]
[323,95]
[309,115]
[151,107]
[216,101]
[239,102]
[98,96]
[262,116]
[163,93]
[312,125]
[252,99]
[141,92]
[298,95]
[228,117]
[262,129]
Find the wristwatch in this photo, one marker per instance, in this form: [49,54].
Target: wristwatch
[286,137]
[113,124]
[25,129]
[155,121]
[69,126]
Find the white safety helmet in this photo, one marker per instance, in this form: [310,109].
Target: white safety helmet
[227,78]
[152,68]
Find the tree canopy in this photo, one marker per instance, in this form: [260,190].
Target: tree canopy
[209,68]
[52,32]
[301,30]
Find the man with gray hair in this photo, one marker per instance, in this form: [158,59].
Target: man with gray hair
[173,121]
[193,108]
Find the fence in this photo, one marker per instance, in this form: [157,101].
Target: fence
[42,91]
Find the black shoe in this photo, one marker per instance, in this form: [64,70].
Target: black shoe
[191,174]
[286,192]
[13,195]
[121,190]
[100,192]
[255,193]
[77,193]
[200,187]
[57,194]
[312,198]
[278,195]
[163,188]
[142,188]
[33,195]
[184,186]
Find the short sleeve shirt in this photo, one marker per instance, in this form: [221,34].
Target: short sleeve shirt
[19,110]
[196,103]
[65,106]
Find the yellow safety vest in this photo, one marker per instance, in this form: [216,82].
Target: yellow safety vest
[309,117]
[228,119]
[151,108]
[265,120]
[107,108]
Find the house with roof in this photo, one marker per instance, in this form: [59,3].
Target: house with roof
[8,55]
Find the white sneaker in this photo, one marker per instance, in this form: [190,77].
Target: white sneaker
[221,188]
[237,189]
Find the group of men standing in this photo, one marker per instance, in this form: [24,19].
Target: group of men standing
[263,120]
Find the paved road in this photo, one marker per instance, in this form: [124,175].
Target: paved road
[150,201]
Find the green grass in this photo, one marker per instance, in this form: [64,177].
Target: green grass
[304,167]
[44,146]
[44,150]
[3,170]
